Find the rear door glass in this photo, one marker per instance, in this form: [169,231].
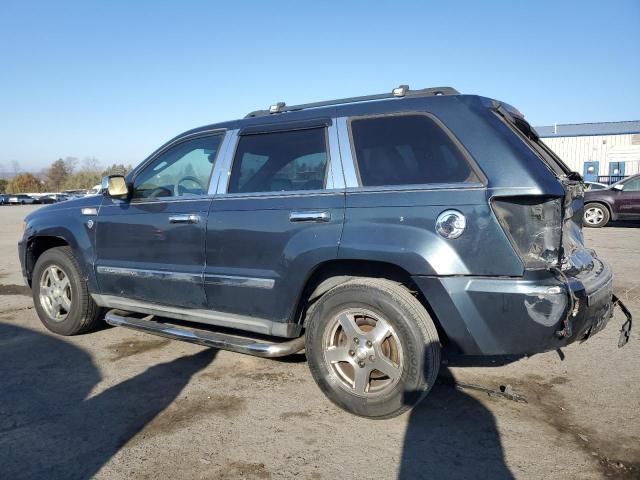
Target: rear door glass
[407,150]
[280,161]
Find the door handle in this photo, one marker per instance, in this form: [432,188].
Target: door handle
[310,216]
[184,219]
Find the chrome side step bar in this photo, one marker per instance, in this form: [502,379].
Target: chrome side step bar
[223,341]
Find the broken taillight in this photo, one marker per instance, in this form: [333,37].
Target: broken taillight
[534,225]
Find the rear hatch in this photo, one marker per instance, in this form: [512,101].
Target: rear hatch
[556,240]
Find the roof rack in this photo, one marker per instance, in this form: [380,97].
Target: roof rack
[399,92]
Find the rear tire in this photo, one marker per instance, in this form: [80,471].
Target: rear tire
[60,294]
[372,347]
[595,215]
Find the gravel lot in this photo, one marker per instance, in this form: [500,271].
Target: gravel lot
[118,404]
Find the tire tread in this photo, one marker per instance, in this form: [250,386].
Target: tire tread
[89,310]
[416,313]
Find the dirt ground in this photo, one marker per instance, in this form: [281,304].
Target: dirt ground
[118,404]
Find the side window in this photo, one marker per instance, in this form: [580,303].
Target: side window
[632,185]
[407,150]
[280,162]
[183,170]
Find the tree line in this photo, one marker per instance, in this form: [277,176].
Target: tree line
[62,174]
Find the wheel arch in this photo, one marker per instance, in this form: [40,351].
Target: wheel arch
[39,244]
[330,274]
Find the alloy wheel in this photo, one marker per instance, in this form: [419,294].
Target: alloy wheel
[363,352]
[55,293]
[593,215]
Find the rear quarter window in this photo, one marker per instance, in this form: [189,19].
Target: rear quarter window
[407,150]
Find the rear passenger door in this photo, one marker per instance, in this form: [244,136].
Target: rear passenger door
[279,214]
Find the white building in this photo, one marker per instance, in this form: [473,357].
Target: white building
[603,152]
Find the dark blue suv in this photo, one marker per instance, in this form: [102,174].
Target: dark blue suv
[372,232]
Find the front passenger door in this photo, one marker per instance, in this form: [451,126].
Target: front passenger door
[630,198]
[152,248]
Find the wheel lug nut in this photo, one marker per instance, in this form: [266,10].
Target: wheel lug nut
[356,341]
[371,358]
[361,364]
[369,343]
[352,353]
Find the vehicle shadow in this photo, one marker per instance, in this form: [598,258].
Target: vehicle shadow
[623,224]
[51,428]
[452,435]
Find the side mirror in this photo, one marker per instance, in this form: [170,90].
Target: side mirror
[619,187]
[115,186]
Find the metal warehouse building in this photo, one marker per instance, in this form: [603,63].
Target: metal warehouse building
[601,152]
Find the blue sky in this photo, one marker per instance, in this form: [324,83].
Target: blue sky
[116,79]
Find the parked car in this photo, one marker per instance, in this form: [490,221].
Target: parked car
[594,186]
[620,201]
[372,232]
[75,193]
[21,199]
[95,190]
[53,198]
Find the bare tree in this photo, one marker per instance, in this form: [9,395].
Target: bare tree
[91,164]
[70,163]
[15,166]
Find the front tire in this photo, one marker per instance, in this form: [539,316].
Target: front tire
[595,215]
[372,347]
[60,295]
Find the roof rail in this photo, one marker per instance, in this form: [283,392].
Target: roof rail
[399,92]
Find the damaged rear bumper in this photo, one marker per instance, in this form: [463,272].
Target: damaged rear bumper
[521,316]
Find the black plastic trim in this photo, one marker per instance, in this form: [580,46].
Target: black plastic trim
[286,126]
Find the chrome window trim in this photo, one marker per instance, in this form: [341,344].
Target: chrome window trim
[164,149]
[346,155]
[226,163]
[335,177]
[185,199]
[204,133]
[286,194]
[354,181]
[219,167]
[334,180]
[421,187]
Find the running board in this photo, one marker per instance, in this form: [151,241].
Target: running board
[223,341]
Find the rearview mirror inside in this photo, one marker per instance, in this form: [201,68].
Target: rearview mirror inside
[115,186]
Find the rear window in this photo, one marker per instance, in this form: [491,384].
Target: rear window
[279,162]
[521,127]
[407,150]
